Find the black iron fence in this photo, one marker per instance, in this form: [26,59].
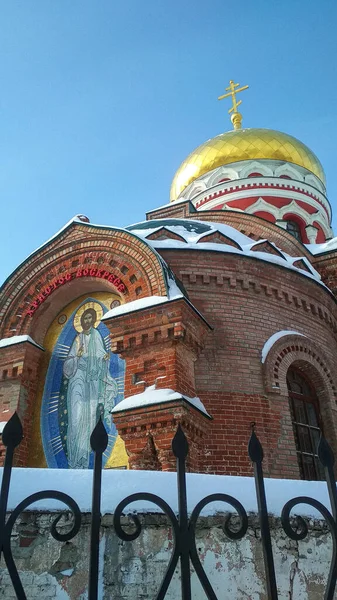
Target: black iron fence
[183,527]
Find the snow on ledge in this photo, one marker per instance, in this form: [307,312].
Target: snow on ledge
[17,339]
[138,305]
[274,338]
[118,484]
[151,395]
[328,246]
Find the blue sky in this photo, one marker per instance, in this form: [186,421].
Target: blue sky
[100,101]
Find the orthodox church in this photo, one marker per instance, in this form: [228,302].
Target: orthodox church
[216,312]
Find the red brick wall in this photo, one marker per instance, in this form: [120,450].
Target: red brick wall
[326,265]
[247,302]
[18,389]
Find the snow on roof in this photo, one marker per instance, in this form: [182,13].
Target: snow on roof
[143,303]
[152,395]
[273,339]
[139,304]
[82,220]
[17,339]
[328,246]
[75,219]
[118,484]
[192,231]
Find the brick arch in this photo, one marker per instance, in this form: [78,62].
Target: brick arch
[299,349]
[81,246]
[300,352]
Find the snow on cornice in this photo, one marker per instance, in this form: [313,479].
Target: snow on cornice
[193,231]
[273,339]
[135,305]
[17,339]
[329,246]
[152,395]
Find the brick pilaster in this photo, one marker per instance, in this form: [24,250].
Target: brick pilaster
[19,367]
[148,432]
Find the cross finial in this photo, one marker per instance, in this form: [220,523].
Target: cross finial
[232,90]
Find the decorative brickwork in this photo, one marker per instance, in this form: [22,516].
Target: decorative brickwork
[307,357]
[19,368]
[147,433]
[160,341]
[246,303]
[326,265]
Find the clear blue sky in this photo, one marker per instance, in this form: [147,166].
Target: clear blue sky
[101,100]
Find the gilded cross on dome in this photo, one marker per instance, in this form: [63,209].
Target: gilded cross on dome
[232,90]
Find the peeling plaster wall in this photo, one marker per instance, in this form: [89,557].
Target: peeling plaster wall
[133,570]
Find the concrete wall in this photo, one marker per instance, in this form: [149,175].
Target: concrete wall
[133,570]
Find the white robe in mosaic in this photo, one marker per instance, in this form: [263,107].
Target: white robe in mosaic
[90,383]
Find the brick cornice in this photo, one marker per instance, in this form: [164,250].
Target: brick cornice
[169,323]
[154,417]
[159,423]
[267,284]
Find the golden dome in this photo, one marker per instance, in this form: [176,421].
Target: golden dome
[244,144]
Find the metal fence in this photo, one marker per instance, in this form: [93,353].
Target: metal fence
[183,527]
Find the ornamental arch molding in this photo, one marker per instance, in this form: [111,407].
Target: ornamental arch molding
[134,268]
[255,167]
[299,352]
[293,348]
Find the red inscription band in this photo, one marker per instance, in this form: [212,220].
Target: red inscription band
[72,275]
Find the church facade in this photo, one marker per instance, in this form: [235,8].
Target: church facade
[216,312]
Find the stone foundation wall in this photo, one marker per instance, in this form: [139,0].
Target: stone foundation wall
[133,570]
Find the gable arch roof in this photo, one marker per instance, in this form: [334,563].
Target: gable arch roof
[75,238]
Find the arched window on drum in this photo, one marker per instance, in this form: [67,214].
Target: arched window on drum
[294,229]
[305,416]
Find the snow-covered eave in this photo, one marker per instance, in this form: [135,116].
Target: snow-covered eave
[163,403]
[156,401]
[255,255]
[150,306]
[275,338]
[310,248]
[18,339]
[77,221]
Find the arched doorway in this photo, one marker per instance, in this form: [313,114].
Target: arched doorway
[305,415]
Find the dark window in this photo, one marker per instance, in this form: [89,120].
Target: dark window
[305,417]
[294,229]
